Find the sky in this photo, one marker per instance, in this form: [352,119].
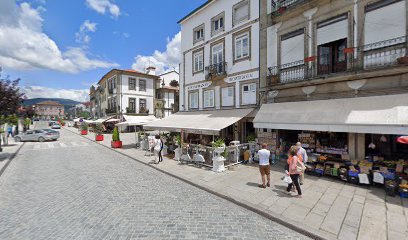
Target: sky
[59,48]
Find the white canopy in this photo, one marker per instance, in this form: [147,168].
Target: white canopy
[199,122]
[137,120]
[77,119]
[112,120]
[101,120]
[378,115]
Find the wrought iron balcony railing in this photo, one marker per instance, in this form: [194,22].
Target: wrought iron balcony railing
[215,70]
[280,6]
[110,111]
[372,56]
[130,110]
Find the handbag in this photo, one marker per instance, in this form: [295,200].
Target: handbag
[300,167]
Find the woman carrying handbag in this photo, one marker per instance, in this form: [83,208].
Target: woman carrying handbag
[296,168]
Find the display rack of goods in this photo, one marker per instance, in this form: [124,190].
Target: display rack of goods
[308,140]
[391,188]
[319,170]
[352,175]
[343,174]
[330,150]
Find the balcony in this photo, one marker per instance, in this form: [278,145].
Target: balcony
[375,56]
[280,6]
[130,111]
[110,111]
[216,71]
[110,90]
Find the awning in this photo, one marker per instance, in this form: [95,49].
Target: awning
[378,115]
[137,120]
[112,120]
[199,122]
[77,119]
[102,120]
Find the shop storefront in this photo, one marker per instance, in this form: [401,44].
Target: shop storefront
[350,139]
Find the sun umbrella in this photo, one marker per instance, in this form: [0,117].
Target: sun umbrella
[403,139]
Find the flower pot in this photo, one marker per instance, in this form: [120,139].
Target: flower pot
[219,150]
[84,132]
[99,138]
[63,124]
[116,144]
[402,60]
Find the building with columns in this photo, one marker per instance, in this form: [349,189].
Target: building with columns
[334,75]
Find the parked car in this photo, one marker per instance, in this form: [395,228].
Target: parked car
[36,135]
[52,132]
[36,119]
[50,123]
[56,126]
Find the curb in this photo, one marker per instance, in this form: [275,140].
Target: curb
[284,222]
[10,159]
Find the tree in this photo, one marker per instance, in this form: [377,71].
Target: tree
[10,96]
[174,83]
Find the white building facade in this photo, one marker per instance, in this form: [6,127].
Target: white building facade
[127,92]
[220,61]
[168,92]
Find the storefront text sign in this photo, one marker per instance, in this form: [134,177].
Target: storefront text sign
[242,77]
[198,86]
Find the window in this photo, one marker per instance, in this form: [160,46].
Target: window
[142,85]
[217,24]
[217,53]
[198,61]
[198,33]
[242,46]
[193,97]
[241,12]
[249,94]
[209,98]
[142,105]
[132,83]
[227,96]
[132,104]
[332,58]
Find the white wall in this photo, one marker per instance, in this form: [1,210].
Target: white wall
[187,46]
[168,77]
[293,49]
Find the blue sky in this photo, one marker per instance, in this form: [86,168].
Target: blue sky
[59,48]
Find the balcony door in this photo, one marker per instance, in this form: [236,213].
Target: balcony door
[217,57]
[332,58]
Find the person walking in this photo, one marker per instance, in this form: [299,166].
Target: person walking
[264,166]
[9,131]
[294,164]
[158,147]
[303,154]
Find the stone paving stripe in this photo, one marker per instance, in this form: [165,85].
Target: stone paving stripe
[10,159]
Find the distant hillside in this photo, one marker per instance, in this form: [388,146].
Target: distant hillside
[66,102]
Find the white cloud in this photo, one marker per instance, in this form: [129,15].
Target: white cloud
[163,61]
[80,95]
[82,35]
[23,44]
[104,6]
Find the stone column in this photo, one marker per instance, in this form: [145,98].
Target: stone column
[238,95]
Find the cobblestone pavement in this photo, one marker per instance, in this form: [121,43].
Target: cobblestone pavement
[77,189]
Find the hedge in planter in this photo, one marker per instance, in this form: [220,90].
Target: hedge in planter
[98,132]
[116,143]
[84,128]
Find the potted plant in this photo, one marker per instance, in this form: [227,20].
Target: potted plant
[84,128]
[177,140]
[26,123]
[98,132]
[62,122]
[218,145]
[116,143]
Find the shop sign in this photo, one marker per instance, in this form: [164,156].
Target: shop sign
[198,86]
[242,77]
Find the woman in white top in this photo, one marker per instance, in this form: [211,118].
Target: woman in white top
[158,147]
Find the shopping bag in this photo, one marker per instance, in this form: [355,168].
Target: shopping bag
[287,179]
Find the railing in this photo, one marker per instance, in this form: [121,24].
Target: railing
[215,70]
[372,56]
[280,6]
[109,111]
[130,110]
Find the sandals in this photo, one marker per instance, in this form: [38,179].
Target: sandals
[261,186]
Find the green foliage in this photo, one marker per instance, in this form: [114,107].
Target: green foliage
[177,139]
[10,119]
[84,126]
[98,129]
[27,122]
[251,138]
[61,121]
[115,135]
[218,143]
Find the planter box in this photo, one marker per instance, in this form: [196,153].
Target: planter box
[116,144]
[99,138]
[403,60]
[84,132]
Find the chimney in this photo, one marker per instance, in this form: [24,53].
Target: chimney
[151,70]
